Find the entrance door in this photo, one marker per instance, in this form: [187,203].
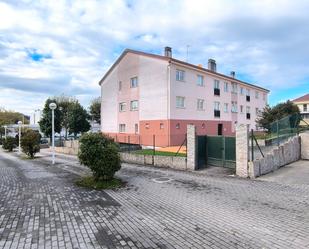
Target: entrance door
[220,128]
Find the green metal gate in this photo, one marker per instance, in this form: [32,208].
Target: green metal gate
[216,151]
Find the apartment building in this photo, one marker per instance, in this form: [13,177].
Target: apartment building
[303,105]
[146,94]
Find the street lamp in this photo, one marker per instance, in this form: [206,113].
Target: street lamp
[19,135]
[53,106]
[5,127]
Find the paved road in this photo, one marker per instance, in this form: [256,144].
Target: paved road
[294,173]
[41,208]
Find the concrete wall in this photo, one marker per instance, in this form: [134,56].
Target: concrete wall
[70,147]
[286,153]
[179,163]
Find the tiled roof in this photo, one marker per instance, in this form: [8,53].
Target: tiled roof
[176,61]
[302,98]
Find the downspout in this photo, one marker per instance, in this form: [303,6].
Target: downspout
[168,101]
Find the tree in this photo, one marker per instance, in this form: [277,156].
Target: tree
[46,120]
[271,114]
[30,143]
[9,143]
[95,110]
[100,154]
[78,119]
[11,117]
[66,103]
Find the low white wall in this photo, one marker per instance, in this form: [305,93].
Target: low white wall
[158,161]
[287,153]
[70,147]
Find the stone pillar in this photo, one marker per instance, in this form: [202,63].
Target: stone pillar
[191,148]
[304,145]
[242,150]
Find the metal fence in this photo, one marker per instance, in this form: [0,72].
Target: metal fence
[152,144]
[279,132]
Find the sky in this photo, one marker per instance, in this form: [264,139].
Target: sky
[49,47]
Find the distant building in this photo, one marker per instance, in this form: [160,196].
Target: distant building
[303,105]
[35,117]
[146,94]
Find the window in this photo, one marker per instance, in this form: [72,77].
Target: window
[234,106]
[200,104]
[242,91]
[180,75]
[119,85]
[122,107]
[226,87]
[305,107]
[217,106]
[248,95]
[134,82]
[134,105]
[177,126]
[217,109]
[200,80]
[256,94]
[234,87]
[217,84]
[180,102]
[241,109]
[217,87]
[161,126]
[136,128]
[226,107]
[122,127]
[248,112]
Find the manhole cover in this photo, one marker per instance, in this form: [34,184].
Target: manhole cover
[162,179]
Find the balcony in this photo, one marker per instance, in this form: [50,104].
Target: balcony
[217,91]
[217,113]
[248,116]
[248,98]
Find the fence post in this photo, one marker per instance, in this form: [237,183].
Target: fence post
[129,143]
[154,144]
[278,133]
[252,149]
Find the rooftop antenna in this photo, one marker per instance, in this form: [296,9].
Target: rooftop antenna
[187,53]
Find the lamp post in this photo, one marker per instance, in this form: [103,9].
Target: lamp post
[5,127]
[53,106]
[19,135]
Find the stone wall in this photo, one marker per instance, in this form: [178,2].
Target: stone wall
[179,163]
[286,153]
[191,147]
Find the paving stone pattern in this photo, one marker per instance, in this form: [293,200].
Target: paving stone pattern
[40,207]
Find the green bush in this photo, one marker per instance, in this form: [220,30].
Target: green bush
[99,153]
[30,143]
[9,143]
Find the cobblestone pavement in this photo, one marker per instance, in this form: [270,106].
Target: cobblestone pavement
[40,207]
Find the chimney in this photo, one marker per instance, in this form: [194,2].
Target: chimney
[233,74]
[168,52]
[212,65]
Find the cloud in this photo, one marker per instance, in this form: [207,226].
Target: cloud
[48,48]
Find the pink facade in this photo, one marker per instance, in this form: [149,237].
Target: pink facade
[168,94]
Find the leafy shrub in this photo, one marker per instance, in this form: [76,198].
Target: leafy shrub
[9,143]
[99,153]
[30,143]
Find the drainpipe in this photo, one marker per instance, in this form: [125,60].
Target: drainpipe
[168,101]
